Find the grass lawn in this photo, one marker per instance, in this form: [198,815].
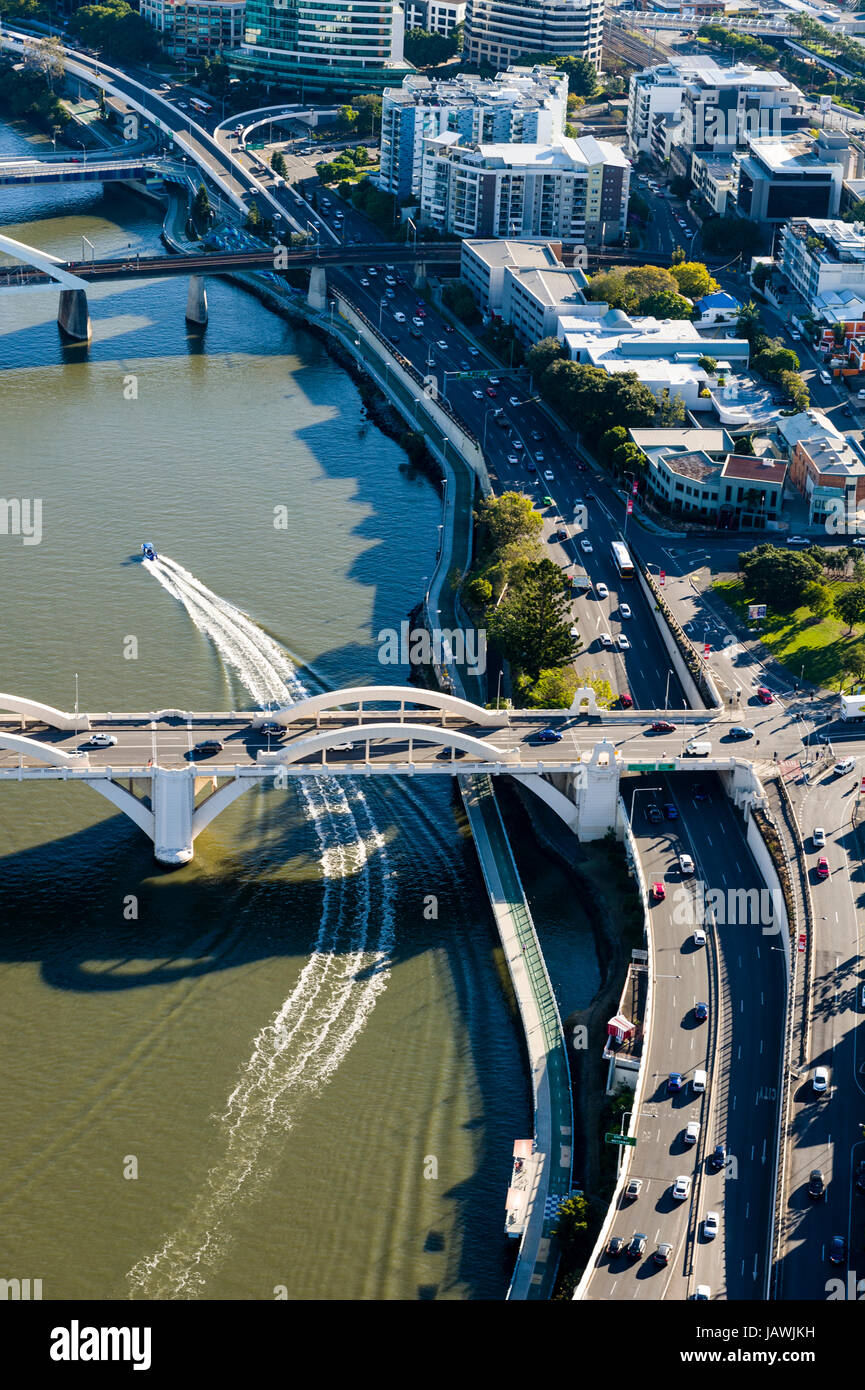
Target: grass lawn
[798,640]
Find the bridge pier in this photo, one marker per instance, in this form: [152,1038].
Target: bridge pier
[196,301]
[419,274]
[316,296]
[173,795]
[73,317]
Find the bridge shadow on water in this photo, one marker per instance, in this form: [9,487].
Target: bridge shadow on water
[65,910]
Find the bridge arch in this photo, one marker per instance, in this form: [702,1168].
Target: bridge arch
[43,752]
[50,265]
[359,695]
[397,733]
[43,714]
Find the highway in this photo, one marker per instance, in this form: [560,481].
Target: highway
[739,1107]
[826,1131]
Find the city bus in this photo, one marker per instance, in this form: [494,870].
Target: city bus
[200,105]
[622,560]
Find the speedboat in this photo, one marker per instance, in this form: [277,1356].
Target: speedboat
[147,551]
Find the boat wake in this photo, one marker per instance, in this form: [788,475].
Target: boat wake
[303,1044]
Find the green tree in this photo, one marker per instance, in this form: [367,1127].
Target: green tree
[774,359]
[531,625]
[708,364]
[368,108]
[541,354]
[730,235]
[795,390]
[479,591]
[572,1228]
[509,518]
[778,577]
[581,72]
[610,441]
[201,205]
[278,164]
[748,323]
[461,302]
[693,279]
[680,186]
[671,411]
[849,605]
[553,689]
[854,661]
[667,305]
[428,50]
[347,115]
[817,598]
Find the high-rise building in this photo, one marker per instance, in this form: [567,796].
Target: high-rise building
[499,31]
[435,16]
[196,28]
[324,43]
[574,191]
[520,106]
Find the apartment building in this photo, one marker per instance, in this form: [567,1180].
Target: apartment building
[196,28]
[824,261]
[520,106]
[435,16]
[774,180]
[499,31]
[576,190]
[319,44]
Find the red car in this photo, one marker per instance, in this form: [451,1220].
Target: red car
[626,701]
[822,867]
[662,726]
[765,696]
[491,391]
[659,892]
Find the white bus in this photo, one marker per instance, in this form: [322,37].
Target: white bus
[622,560]
[199,105]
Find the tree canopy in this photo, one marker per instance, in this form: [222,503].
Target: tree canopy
[777,577]
[693,279]
[531,625]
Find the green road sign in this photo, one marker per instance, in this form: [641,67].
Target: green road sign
[621,1139]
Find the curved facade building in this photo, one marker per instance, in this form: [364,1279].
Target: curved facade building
[500,31]
[325,43]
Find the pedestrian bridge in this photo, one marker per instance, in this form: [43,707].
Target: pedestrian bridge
[173,771]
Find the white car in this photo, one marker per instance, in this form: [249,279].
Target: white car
[699,936]
[702,1293]
[711,1225]
[478,395]
[846,765]
[605,639]
[681,1187]
[602,591]
[513,459]
[821,1079]
[389,280]
[624,611]
[819,837]
[417,321]
[474,352]
[364,281]
[399,317]
[101,741]
[539,458]
[513,400]
[549,475]
[370,270]
[692,1132]
[586,546]
[442,344]
[574,631]
[624,644]
[825,377]
[494,381]
[686,864]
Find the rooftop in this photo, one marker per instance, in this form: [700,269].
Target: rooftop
[584,151]
[709,441]
[517,253]
[842,241]
[526,88]
[697,466]
[757,470]
[550,287]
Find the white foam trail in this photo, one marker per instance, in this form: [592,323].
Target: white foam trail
[303,1044]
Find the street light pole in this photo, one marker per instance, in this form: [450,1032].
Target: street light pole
[667,691]
[76,698]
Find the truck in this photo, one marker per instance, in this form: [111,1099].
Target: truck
[697,748]
[853,706]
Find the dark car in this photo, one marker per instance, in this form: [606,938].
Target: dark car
[700,793]
[701,1012]
[670,811]
[838,1250]
[663,1253]
[615,1246]
[662,726]
[860,1175]
[816,1185]
[718,1157]
[536,434]
[275,729]
[675,1082]
[738,732]
[654,814]
[637,1245]
[209,745]
[546,736]
[394,337]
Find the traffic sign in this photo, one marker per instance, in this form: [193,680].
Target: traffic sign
[706,650]
[630,506]
[634,489]
[628,1139]
[662,576]
[802,940]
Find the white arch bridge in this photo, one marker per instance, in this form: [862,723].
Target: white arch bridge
[173,771]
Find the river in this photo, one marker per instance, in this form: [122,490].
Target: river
[278,1070]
